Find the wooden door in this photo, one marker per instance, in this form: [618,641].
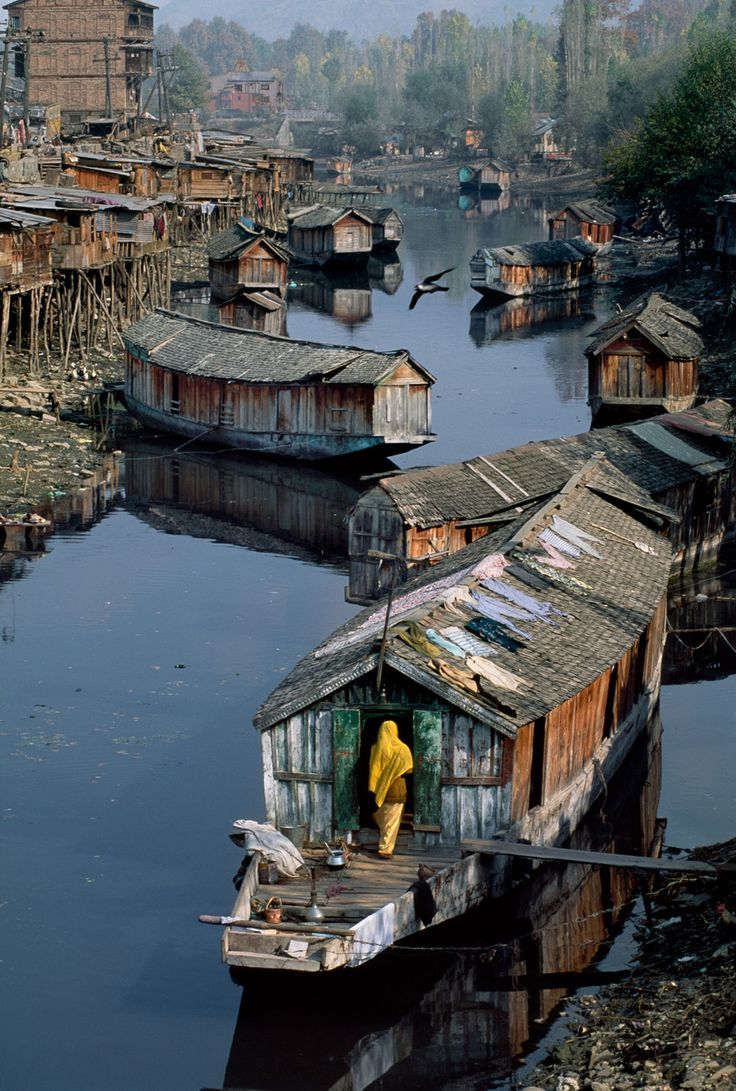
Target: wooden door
[427,727]
[346,755]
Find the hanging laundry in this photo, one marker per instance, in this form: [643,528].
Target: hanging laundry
[494,632]
[540,610]
[456,595]
[416,637]
[470,644]
[494,700]
[575,536]
[556,540]
[494,674]
[497,612]
[448,645]
[554,558]
[537,564]
[456,676]
[490,566]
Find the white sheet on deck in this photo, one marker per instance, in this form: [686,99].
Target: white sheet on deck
[373,934]
[271,843]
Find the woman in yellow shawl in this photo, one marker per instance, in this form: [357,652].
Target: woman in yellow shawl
[390,760]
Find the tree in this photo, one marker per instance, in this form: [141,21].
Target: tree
[682,155]
[188,88]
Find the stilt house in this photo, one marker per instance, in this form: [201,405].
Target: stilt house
[26,243]
[243,259]
[509,674]
[644,360]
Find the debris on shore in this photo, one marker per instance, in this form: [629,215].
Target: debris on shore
[672,1023]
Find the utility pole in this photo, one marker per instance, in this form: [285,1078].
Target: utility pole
[108,84]
[4,84]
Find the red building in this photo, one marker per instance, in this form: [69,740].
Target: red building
[247,92]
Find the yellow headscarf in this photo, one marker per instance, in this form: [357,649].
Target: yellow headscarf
[390,759]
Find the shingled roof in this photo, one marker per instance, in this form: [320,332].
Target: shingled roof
[322,216]
[553,252]
[667,327]
[589,211]
[582,619]
[231,243]
[642,461]
[195,347]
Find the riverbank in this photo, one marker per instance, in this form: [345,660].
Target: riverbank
[529,178]
[672,1023]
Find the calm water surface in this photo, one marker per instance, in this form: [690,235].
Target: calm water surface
[133,655]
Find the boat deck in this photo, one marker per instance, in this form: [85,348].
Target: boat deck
[367,906]
[366,883]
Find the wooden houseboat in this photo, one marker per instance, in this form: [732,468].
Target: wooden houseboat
[319,235]
[677,467]
[287,398]
[243,259]
[516,726]
[490,174]
[388,229]
[644,360]
[263,312]
[533,268]
[587,220]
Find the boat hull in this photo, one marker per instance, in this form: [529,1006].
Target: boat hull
[498,289]
[275,444]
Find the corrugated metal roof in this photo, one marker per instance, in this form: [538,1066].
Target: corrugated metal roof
[194,347]
[664,440]
[669,328]
[15,218]
[595,613]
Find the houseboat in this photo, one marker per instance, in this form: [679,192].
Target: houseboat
[388,229]
[339,164]
[520,672]
[533,268]
[490,174]
[588,220]
[242,259]
[319,235]
[644,360]
[286,398]
[677,467]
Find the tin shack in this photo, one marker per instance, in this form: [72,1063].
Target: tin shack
[319,235]
[533,268]
[289,398]
[585,219]
[644,360]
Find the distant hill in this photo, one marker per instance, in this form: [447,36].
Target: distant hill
[276,19]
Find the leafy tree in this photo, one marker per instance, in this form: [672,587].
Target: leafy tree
[682,155]
[188,87]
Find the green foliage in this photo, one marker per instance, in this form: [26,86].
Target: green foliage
[682,155]
[188,87]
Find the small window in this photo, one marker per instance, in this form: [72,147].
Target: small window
[14,22]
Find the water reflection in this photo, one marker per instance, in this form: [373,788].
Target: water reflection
[479,206]
[385,272]
[466,1000]
[346,296]
[701,637]
[525,316]
[266,506]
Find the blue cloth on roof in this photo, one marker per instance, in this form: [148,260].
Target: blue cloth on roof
[493,631]
[448,645]
[497,611]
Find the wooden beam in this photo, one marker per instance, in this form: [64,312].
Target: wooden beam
[585,856]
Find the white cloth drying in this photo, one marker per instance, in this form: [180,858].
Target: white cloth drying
[272,845]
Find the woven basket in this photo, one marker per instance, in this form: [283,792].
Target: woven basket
[272,911]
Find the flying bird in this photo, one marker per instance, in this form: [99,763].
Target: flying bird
[428,285]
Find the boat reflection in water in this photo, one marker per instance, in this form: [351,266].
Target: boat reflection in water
[475,1004]
[385,272]
[526,315]
[267,506]
[345,295]
[701,638]
[477,206]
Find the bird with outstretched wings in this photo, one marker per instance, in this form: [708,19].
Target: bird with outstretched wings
[429,285]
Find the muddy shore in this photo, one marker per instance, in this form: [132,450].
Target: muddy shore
[671,1024]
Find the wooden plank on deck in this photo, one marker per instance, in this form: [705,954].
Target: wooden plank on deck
[585,856]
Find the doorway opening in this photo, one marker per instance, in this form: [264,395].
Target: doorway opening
[371,723]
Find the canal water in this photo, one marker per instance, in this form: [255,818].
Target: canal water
[133,654]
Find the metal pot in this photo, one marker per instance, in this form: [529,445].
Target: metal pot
[335,858]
